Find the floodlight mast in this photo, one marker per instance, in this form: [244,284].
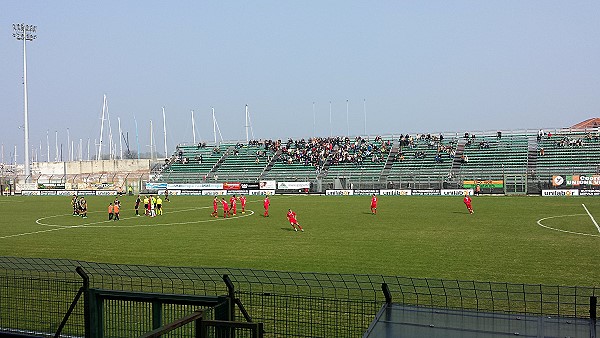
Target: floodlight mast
[26,33]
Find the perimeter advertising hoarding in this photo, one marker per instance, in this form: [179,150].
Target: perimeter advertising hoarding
[51,186]
[103,186]
[155,186]
[209,192]
[560,192]
[26,186]
[193,186]
[293,185]
[250,186]
[575,180]
[268,185]
[426,192]
[106,192]
[366,192]
[395,192]
[456,192]
[232,186]
[60,192]
[66,192]
[484,184]
[339,192]
[589,192]
[261,192]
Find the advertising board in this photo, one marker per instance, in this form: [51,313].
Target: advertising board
[456,192]
[395,192]
[339,192]
[560,192]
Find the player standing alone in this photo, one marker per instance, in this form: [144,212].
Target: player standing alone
[291,216]
[374,205]
[266,204]
[467,201]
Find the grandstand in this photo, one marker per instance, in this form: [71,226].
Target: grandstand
[418,161]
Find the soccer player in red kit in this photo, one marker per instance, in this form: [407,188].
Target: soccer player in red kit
[374,205]
[291,216]
[233,203]
[225,207]
[467,201]
[243,201]
[266,204]
[215,207]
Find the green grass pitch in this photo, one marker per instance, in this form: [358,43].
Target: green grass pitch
[410,236]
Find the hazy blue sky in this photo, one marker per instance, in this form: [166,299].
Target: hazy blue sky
[425,66]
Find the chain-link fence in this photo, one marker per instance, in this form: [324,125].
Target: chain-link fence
[36,293]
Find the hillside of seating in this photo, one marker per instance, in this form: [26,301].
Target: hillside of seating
[404,158]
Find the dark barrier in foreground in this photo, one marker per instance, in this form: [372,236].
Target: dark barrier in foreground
[35,295]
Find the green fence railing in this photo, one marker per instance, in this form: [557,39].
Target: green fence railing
[35,295]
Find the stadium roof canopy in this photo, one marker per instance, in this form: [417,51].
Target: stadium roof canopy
[594,122]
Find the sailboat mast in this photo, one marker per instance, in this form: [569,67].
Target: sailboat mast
[165,131]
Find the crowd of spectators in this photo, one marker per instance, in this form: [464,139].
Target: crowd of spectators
[442,151]
[339,150]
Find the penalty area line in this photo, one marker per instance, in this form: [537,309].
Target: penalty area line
[592,217]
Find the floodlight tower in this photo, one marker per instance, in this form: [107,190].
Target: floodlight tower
[26,33]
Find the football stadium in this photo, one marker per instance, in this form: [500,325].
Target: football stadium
[417,262]
[305,169]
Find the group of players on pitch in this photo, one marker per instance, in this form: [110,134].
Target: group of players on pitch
[230,209]
[466,201]
[79,205]
[153,207]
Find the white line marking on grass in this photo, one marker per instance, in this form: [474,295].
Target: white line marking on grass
[92,224]
[592,217]
[539,222]
[39,232]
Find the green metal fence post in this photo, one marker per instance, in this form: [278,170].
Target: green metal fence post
[86,300]
[156,314]
[593,305]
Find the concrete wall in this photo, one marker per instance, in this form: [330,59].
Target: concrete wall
[90,167]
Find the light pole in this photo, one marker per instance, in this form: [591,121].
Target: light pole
[26,33]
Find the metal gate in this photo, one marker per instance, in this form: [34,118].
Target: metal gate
[515,184]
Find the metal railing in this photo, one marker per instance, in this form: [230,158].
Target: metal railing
[296,304]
